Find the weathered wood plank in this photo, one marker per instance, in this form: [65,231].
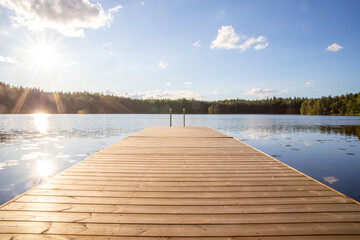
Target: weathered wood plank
[216,209]
[183,219]
[194,175]
[163,194]
[88,237]
[179,230]
[182,202]
[184,179]
[179,183]
[217,189]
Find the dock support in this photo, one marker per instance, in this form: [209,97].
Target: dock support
[184,117]
[170,118]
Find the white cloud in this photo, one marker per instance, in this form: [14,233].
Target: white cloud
[221,15]
[166,95]
[111,93]
[259,92]
[196,44]
[8,59]
[310,84]
[163,64]
[263,93]
[142,3]
[69,17]
[334,47]
[261,46]
[108,44]
[111,53]
[188,83]
[114,9]
[227,38]
[168,83]
[4,33]
[70,63]
[216,92]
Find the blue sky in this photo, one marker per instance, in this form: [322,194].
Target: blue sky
[193,49]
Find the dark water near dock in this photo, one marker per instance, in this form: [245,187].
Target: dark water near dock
[35,147]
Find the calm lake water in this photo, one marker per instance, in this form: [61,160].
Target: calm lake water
[35,147]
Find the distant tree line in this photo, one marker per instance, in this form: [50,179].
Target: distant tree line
[32,100]
[348,104]
[265,106]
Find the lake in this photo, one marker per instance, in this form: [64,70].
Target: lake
[38,146]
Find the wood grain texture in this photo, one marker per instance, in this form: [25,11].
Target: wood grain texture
[180,183]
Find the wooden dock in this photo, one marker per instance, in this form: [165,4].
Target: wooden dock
[180,183]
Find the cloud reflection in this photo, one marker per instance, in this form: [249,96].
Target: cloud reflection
[8,163]
[331,179]
[34,155]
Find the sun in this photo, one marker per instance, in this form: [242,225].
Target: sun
[43,55]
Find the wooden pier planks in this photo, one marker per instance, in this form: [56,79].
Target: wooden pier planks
[192,183]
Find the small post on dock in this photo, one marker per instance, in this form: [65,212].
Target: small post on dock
[170,119]
[184,117]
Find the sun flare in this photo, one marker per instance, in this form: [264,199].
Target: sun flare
[44,169]
[43,55]
[40,120]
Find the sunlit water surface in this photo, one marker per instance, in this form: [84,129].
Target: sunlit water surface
[36,147]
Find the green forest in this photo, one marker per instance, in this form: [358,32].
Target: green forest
[348,104]
[20,100]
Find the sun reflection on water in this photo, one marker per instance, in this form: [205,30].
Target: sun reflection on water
[40,121]
[45,169]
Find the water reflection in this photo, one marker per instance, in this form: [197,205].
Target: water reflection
[343,130]
[268,131]
[45,169]
[35,155]
[103,126]
[40,121]
[331,179]
[35,147]
[8,163]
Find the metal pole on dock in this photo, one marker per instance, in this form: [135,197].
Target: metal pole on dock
[184,116]
[170,119]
